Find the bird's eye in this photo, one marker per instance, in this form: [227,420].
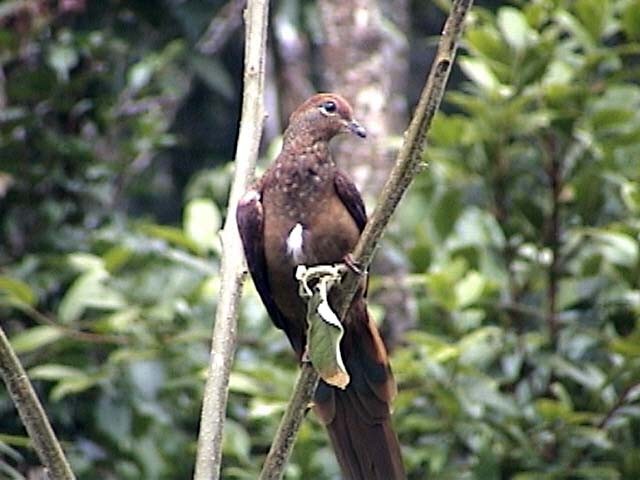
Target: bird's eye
[328,108]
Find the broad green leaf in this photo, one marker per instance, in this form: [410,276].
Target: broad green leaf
[52,371]
[88,291]
[202,221]
[242,383]
[83,262]
[323,342]
[628,346]
[437,349]
[172,235]
[324,329]
[587,375]
[514,27]
[630,193]
[594,15]
[35,338]
[618,248]
[72,385]
[13,290]
[469,289]
[488,43]
[481,347]
[116,257]
[630,20]
[480,73]
[552,410]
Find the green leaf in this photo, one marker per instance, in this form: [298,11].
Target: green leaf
[481,347]
[628,346]
[481,74]
[69,379]
[202,221]
[552,410]
[324,327]
[13,290]
[88,291]
[323,341]
[487,42]
[243,383]
[53,371]
[618,248]
[630,20]
[72,385]
[594,15]
[83,262]
[469,289]
[35,338]
[172,235]
[514,27]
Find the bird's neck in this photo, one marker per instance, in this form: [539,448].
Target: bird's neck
[301,177]
[300,138]
[300,150]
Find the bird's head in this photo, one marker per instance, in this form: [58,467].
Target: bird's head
[324,116]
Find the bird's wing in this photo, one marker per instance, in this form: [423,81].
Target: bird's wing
[351,198]
[250,219]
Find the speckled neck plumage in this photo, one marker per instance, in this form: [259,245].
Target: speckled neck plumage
[301,175]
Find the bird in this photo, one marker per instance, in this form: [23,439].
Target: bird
[304,210]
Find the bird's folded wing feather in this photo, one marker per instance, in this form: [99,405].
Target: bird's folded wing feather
[250,220]
[351,198]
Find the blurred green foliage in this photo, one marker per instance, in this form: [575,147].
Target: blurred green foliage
[523,235]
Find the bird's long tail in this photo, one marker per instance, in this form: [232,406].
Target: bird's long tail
[358,418]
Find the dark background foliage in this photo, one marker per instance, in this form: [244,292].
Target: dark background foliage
[522,237]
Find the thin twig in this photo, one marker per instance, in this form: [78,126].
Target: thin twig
[224,340]
[79,335]
[622,400]
[408,164]
[32,414]
[554,174]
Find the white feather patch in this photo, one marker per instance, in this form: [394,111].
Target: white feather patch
[294,243]
[250,196]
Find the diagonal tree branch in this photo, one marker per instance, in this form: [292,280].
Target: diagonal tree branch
[408,164]
[32,414]
[224,340]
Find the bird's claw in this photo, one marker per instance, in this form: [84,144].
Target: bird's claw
[306,358]
[353,265]
[327,274]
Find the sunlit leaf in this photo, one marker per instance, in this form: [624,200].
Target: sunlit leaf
[202,221]
[13,290]
[514,27]
[35,338]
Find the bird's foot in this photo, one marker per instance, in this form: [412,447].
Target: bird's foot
[306,358]
[353,265]
[308,277]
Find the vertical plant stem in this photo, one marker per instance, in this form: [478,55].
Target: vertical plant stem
[32,414]
[224,340]
[408,164]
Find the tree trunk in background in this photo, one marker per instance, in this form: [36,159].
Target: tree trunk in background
[367,60]
[293,57]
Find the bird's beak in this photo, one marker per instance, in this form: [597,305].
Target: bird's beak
[355,128]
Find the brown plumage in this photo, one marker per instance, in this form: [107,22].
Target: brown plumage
[305,211]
